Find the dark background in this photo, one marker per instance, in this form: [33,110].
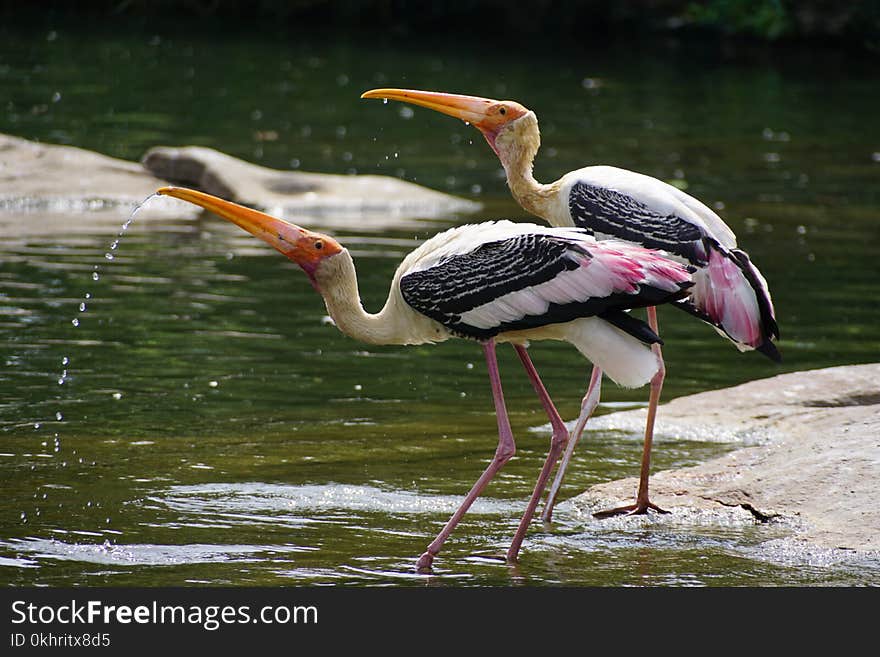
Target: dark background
[846,24]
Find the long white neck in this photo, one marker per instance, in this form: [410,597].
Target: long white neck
[396,323]
[517,147]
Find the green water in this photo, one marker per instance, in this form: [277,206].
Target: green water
[212,427]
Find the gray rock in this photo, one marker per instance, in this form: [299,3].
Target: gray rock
[368,201]
[46,188]
[810,457]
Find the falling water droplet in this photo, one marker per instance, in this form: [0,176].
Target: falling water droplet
[75,322]
[108,255]
[82,306]
[95,276]
[65,360]
[114,244]
[58,416]
[384,101]
[36,425]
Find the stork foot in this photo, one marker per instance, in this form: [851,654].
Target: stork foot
[637,509]
[423,565]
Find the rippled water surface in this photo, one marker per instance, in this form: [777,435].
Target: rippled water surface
[183,413]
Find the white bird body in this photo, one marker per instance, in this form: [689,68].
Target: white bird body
[512,311]
[491,282]
[612,203]
[728,290]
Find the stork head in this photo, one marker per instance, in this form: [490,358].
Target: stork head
[506,125]
[304,247]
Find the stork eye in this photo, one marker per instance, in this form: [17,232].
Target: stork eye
[502,110]
[319,245]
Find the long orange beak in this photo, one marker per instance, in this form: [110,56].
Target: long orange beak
[471,109]
[487,115]
[302,246]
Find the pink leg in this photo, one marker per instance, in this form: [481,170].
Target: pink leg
[643,503]
[557,443]
[504,452]
[588,405]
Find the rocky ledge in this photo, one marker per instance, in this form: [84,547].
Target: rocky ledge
[59,181]
[809,461]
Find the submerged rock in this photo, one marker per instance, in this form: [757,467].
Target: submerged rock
[810,460]
[293,193]
[51,183]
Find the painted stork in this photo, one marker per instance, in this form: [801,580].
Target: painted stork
[492,282]
[729,292]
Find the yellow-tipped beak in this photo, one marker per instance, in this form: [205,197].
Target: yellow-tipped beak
[472,109]
[300,245]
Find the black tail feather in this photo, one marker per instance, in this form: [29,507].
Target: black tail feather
[632,325]
[770,351]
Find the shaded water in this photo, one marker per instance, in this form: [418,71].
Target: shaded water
[212,427]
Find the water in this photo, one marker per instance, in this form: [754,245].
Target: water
[176,409]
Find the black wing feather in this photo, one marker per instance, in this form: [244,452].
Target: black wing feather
[466,281]
[602,210]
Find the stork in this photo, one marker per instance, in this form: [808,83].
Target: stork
[729,292]
[492,282]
